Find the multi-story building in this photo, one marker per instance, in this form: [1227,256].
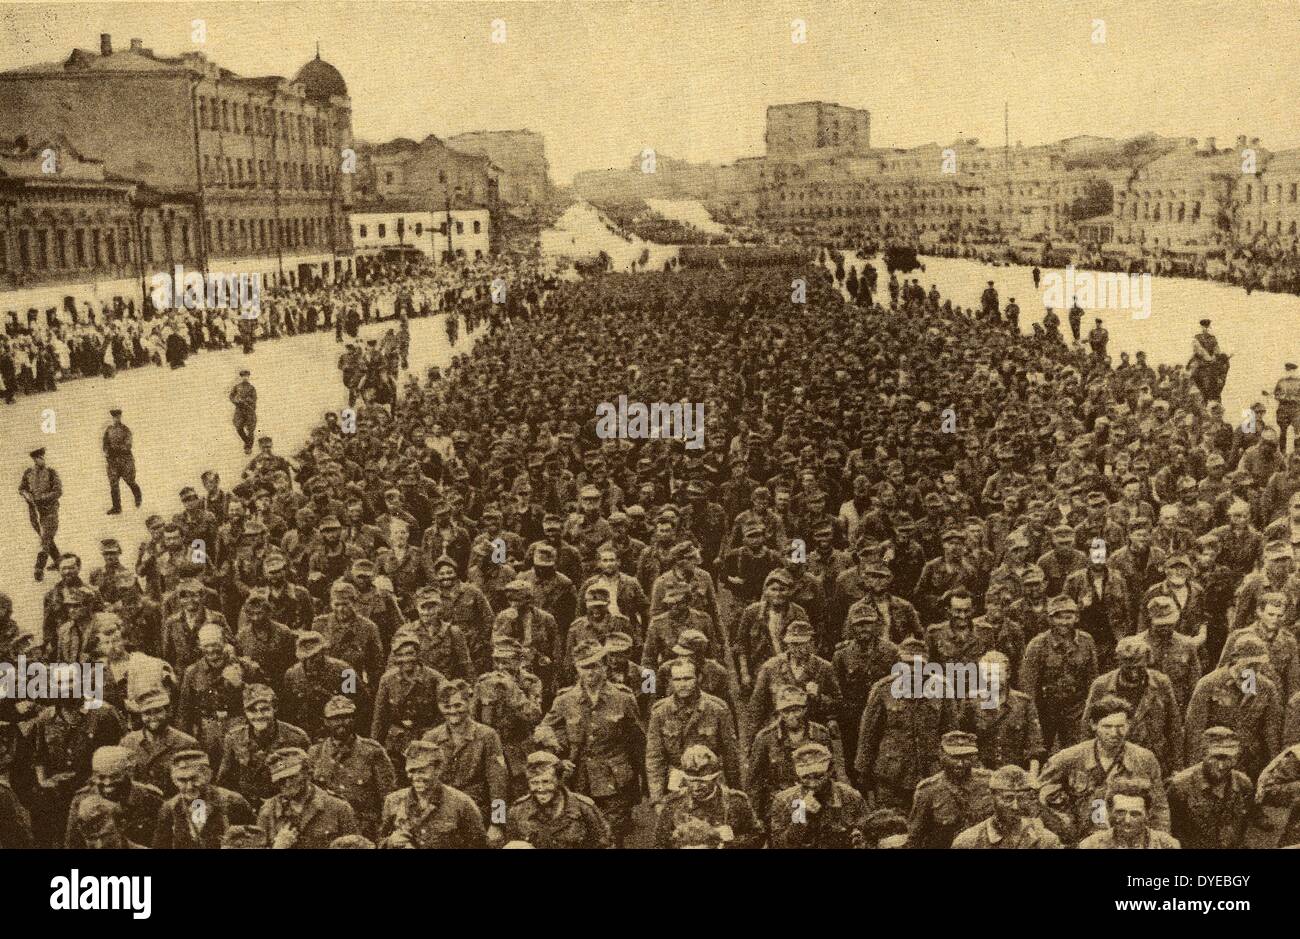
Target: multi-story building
[1272,204]
[265,161]
[524,175]
[427,173]
[816,128]
[393,227]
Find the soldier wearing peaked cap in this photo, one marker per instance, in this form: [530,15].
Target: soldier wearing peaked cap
[1239,695]
[535,628]
[862,659]
[1157,721]
[244,397]
[1211,802]
[714,678]
[1283,651]
[406,704]
[475,764]
[1178,656]
[704,796]
[110,780]
[41,488]
[685,717]
[1059,666]
[120,461]
[442,644]
[953,799]
[1015,821]
[356,769]
[597,625]
[818,812]
[429,813]
[771,756]
[247,748]
[301,814]
[200,813]
[156,743]
[797,666]
[599,730]
[509,700]
[552,815]
[666,625]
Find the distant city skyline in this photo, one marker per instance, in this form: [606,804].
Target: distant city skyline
[601,81]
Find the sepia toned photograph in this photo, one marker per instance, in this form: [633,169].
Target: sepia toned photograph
[651,425]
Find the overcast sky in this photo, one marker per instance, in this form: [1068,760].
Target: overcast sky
[602,80]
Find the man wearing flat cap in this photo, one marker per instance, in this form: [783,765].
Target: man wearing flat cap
[817,812]
[110,780]
[553,591]
[1015,822]
[442,644]
[1157,717]
[41,488]
[406,703]
[536,630]
[953,799]
[429,813]
[1057,670]
[862,659]
[551,815]
[356,769]
[313,680]
[200,813]
[771,755]
[704,795]
[598,726]
[248,746]
[596,625]
[675,615]
[685,717]
[868,585]
[686,573]
[1212,802]
[351,636]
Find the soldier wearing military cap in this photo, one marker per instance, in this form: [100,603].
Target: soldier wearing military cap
[406,702]
[442,644]
[686,573]
[868,585]
[268,643]
[248,746]
[508,698]
[157,741]
[465,606]
[1269,625]
[429,813]
[475,763]
[862,659]
[898,736]
[817,812]
[1239,695]
[356,769]
[587,529]
[200,813]
[597,624]
[684,717]
[210,701]
[675,615]
[771,755]
[536,630]
[760,511]
[1085,769]
[181,629]
[1058,668]
[800,667]
[301,814]
[955,638]
[1015,821]
[244,397]
[1030,609]
[761,626]
[551,815]
[743,568]
[106,578]
[1132,807]
[943,574]
[703,795]
[1003,719]
[1179,656]
[352,637]
[626,598]
[1157,721]
[313,680]
[599,730]
[953,799]
[41,488]
[110,781]
[714,678]
[1211,802]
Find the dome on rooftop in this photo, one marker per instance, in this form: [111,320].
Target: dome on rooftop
[321,80]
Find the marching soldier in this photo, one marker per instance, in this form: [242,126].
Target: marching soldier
[509,700]
[41,489]
[352,767]
[799,667]
[552,815]
[429,813]
[818,812]
[771,756]
[120,461]
[301,814]
[1004,722]
[1015,822]
[953,799]
[200,813]
[475,764]
[599,729]
[1240,696]
[244,397]
[688,716]
[110,779]
[1058,668]
[247,748]
[1211,802]
[406,704]
[704,796]
[1287,394]
[313,680]
[1157,722]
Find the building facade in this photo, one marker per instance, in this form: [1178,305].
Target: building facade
[267,162]
[427,173]
[390,230]
[813,128]
[520,155]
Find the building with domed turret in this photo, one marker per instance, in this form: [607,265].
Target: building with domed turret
[256,170]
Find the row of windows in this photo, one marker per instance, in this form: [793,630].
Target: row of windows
[265,233]
[64,249]
[232,171]
[382,229]
[220,114]
[1277,228]
[1152,211]
[1265,188]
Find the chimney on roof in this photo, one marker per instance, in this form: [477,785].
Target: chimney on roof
[105,44]
[1241,141]
[137,45]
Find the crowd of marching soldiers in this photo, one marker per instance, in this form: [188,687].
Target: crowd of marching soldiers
[467,621]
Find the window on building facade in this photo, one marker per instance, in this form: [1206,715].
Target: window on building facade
[96,258]
[42,249]
[248,120]
[203,112]
[460,228]
[382,229]
[61,248]
[225,115]
[24,250]
[419,229]
[362,233]
[110,246]
[147,238]
[79,247]
[185,239]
